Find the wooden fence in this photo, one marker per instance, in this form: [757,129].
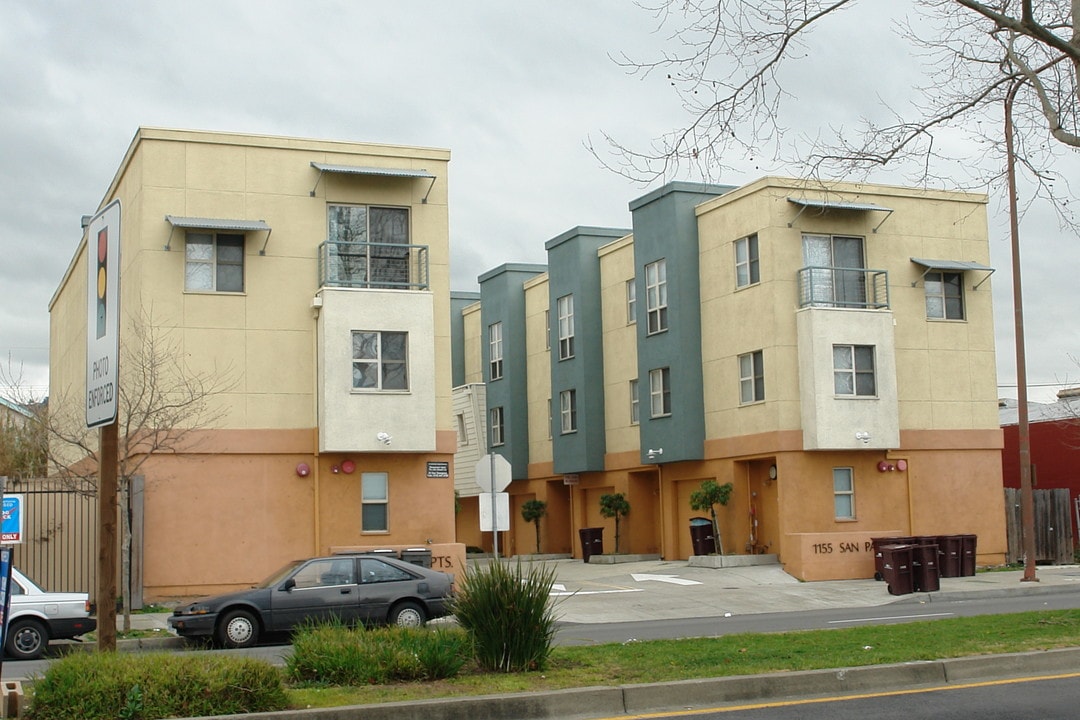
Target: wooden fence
[1053,526]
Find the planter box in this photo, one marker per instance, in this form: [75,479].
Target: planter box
[620,558]
[723,561]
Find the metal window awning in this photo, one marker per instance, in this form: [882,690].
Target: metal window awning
[827,205]
[196,223]
[952,266]
[373,171]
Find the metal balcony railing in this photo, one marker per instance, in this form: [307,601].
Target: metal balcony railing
[380,266]
[843,288]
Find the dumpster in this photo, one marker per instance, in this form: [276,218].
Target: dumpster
[417,556]
[592,542]
[896,567]
[967,555]
[878,543]
[950,550]
[924,568]
[701,536]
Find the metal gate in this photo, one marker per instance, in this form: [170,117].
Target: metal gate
[59,547]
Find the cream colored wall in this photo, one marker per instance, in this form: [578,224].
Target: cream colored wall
[538,368]
[620,346]
[946,375]
[473,351]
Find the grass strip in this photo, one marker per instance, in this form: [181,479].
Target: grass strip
[744,654]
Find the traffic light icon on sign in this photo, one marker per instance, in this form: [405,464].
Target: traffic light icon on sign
[102,278]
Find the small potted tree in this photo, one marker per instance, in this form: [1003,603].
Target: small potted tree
[532,511]
[707,497]
[614,505]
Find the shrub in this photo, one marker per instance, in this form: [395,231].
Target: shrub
[89,686]
[333,654]
[508,615]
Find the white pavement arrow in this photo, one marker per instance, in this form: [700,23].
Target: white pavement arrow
[665,578]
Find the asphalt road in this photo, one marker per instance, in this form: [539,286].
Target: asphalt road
[1023,699]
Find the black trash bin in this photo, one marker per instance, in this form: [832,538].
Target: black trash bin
[950,552]
[701,536]
[878,543]
[417,556]
[896,567]
[924,563]
[967,555]
[592,542]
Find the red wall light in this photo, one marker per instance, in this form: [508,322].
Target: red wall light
[303,469]
[348,467]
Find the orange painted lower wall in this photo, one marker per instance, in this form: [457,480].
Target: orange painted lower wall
[237,506]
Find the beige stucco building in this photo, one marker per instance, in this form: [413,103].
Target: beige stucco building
[311,277]
[827,349]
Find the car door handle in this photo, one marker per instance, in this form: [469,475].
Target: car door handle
[346,591]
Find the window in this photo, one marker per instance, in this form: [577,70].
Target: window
[495,422]
[495,350]
[631,301]
[380,360]
[853,370]
[462,433]
[368,246]
[568,411]
[746,261]
[660,392]
[549,417]
[944,295]
[376,571]
[374,493]
[837,270]
[547,329]
[635,404]
[214,262]
[844,493]
[656,295]
[566,327]
[751,378]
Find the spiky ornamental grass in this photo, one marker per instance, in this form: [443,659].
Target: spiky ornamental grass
[508,614]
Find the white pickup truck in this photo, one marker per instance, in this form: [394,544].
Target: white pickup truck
[38,616]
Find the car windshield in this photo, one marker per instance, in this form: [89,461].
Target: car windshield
[279,575]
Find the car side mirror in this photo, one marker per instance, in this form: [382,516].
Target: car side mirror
[288,584]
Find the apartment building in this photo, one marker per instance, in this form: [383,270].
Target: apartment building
[827,349]
[312,276]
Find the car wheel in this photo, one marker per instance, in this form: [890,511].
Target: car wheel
[26,639]
[238,629]
[407,614]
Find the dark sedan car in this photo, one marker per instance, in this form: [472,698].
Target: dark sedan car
[351,589]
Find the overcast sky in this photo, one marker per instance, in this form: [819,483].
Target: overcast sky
[513,89]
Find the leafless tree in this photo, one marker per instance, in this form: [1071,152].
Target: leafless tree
[729,68]
[161,401]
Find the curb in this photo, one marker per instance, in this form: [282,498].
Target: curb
[702,694]
[994,594]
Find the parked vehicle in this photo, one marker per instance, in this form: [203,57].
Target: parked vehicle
[351,589]
[38,616]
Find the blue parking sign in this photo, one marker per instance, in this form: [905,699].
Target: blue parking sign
[11,526]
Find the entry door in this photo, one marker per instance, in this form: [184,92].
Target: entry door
[324,590]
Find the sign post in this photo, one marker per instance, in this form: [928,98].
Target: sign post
[493,475]
[102,395]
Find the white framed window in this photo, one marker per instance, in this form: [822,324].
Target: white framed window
[853,370]
[844,493]
[566,327]
[549,417]
[380,360]
[375,502]
[635,404]
[495,423]
[214,262]
[367,246]
[462,433]
[495,350]
[660,392]
[751,378]
[631,301]
[568,411]
[944,295]
[547,329]
[656,296]
[746,261]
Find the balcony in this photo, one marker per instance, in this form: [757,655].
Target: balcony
[834,287]
[379,266]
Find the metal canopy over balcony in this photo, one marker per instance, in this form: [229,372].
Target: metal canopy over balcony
[952,266]
[226,225]
[373,171]
[823,206]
